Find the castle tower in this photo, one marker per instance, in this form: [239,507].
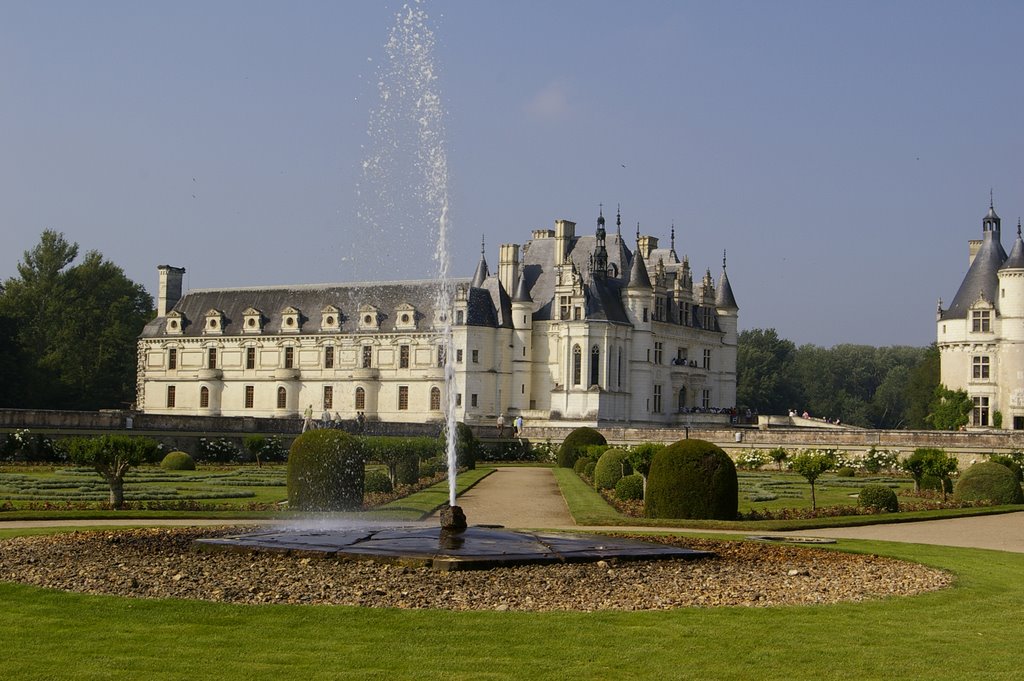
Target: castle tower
[522,346]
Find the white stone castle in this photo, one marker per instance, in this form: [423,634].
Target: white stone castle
[981,334]
[571,328]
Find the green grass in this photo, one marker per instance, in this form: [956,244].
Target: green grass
[969,631]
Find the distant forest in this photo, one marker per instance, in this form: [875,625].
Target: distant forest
[888,387]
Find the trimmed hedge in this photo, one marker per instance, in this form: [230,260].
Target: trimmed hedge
[178,461]
[610,468]
[692,479]
[878,497]
[630,487]
[377,481]
[574,444]
[988,481]
[325,472]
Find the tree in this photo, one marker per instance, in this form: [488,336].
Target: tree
[920,388]
[930,461]
[640,457]
[779,456]
[811,464]
[764,378]
[76,327]
[949,409]
[112,456]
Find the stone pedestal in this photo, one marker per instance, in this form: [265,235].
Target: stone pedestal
[453,519]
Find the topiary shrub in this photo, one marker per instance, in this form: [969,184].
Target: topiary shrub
[178,461]
[325,472]
[574,443]
[377,481]
[588,469]
[630,487]
[610,468]
[580,464]
[466,446]
[845,472]
[878,497]
[988,481]
[1008,461]
[692,479]
[937,484]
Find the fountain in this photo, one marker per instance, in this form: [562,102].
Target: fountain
[408,89]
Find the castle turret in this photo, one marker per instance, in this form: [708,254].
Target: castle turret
[728,322]
[522,346]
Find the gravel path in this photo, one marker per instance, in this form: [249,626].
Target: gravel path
[160,563]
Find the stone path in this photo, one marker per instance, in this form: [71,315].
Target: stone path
[518,498]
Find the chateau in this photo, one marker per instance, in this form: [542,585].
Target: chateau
[981,334]
[569,328]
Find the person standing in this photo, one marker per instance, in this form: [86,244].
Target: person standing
[519,426]
[326,419]
[501,425]
[307,418]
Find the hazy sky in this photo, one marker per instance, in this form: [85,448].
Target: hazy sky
[843,153]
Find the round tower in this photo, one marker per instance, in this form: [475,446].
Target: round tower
[522,345]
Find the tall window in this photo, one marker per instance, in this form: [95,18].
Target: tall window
[204,397]
[595,364]
[564,305]
[172,358]
[657,399]
[360,399]
[981,321]
[707,359]
[367,356]
[250,358]
[440,355]
[170,396]
[403,397]
[250,396]
[684,315]
[645,314]
[618,370]
[282,398]
[980,367]
[403,357]
[289,357]
[705,399]
[577,364]
[709,318]
[472,400]
[458,356]
[476,356]
[211,358]
[980,411]
[329,357]
[435,398]
[658,352]
[659,309]
[328,397]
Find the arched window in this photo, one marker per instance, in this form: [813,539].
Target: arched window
[360,399]
[577,364]
[282,398]
[435,398]
[595,363]
[682,399]
[204,397]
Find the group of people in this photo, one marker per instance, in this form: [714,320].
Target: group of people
[517,426]
[328,420]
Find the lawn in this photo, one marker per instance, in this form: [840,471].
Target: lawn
[969,631]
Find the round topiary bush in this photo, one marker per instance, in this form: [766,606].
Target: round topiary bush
[988,481]
[692,479]
[1009,463]
[610,468]
[845,472]
[580,464]
[878,497]
[178,461]
[574,443]
[377,481]
[325,472]
[588,469]
[630,487]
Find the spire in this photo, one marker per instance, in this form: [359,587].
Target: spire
[618,219]
[724,298]
[1016,258]
[638,234]
[522,294]
[599,258]
[672,240]
[638,278]
[481,269]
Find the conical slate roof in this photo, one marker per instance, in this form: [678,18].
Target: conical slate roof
[638,278]
[982,279]
[1016,259]
[522,294]
[481,273]
[724,299]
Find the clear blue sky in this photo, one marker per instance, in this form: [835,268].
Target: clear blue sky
[842,152]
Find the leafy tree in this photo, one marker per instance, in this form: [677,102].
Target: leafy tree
[779,456]
[112,456]
[764,378]
[640,457]
[811,464]
[920,388]
[931,461]
[76,327]
[949,409]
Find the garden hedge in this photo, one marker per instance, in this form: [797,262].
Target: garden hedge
[610,468]
[878,497]
[178,461]
[692,479]
[574,444]
[988,481]
[325,472]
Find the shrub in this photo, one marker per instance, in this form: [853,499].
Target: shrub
[641,455]
[178,461]
[692,479]
[779,456]
[936,484]
[989,481]
[467,447]
[216,451]
[846,472]
[610,468]
[588,470]
[752,459]
[574,443]
[325,471]
[876,460]
[1009,462]
[377,481]
[580,465]
[930,468]
[811,463]
[878,497]
[630,487]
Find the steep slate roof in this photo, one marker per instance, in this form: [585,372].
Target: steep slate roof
[982,278]
[638,278]
[1016,259]
[723,294]
[311,299]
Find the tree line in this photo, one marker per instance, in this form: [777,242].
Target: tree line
[862,385]
[69,330]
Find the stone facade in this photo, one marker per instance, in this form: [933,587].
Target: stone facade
[981,335]
[570,328]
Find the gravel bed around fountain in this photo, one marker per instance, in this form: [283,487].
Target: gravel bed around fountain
[162,563]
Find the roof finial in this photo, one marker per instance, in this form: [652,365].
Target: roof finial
[723,259]
[1018,226]
[482,246]
[618,219]
[672,242]
[638,232]
[991,201]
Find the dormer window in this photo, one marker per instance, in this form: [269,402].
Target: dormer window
[214,323]
[290,322]
[369,318]
[330,318]
[175,323]
[405,317]
[252,321]
[981,321]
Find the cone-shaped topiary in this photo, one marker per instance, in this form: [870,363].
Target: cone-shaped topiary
[325,472]
[178,461]
[692,479]
[610,468]
[988,481]
[574,443]
[878,497]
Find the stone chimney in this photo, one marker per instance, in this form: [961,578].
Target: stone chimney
[508,266]
[646,244]
[169,289]
[565,232]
